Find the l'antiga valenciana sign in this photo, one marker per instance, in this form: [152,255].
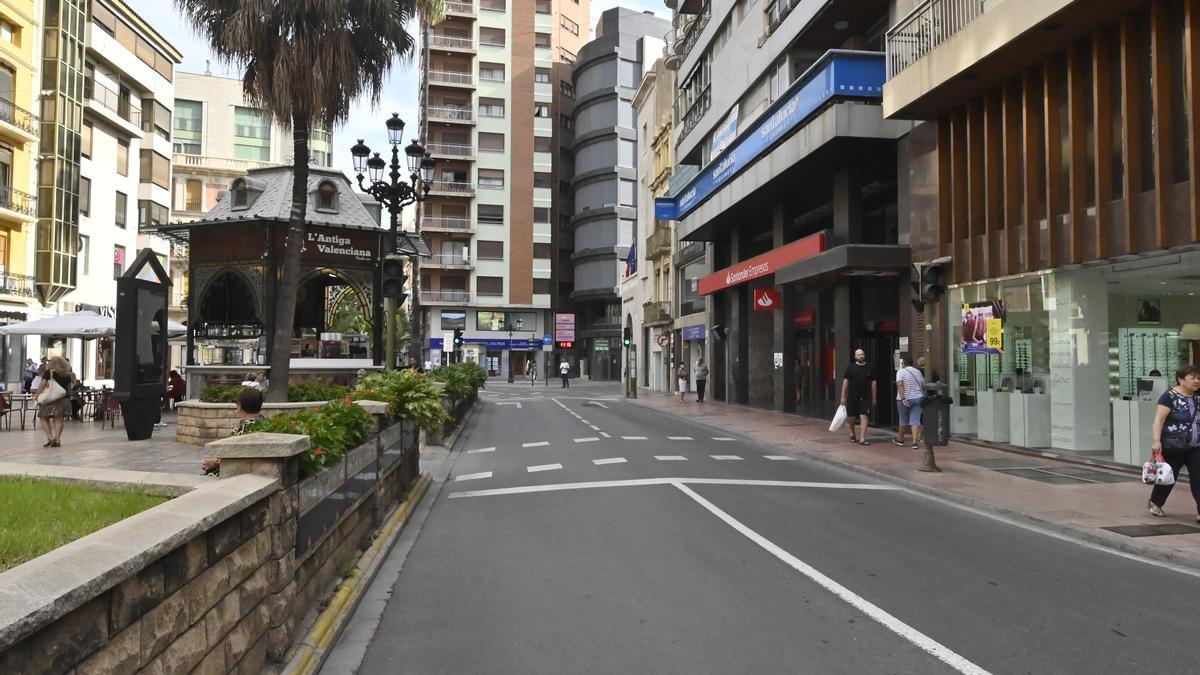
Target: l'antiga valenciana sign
[339,246]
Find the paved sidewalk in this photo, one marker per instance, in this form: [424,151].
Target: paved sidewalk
[1070,497]
[96,445]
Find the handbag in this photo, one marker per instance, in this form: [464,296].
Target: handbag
[53,391]
[839,418]
[1150,472]
[1164,475]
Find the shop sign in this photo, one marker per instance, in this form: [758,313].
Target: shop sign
[983,327]
[805,318]
[763,265]
[491,343]
[564,327]
[227,331]
[723,135]
[693,333]
[339,246]
[600,345]
[766,300]
[664,209]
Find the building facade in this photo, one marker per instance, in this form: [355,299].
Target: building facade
[495,102]
[1056,165]
[787,170]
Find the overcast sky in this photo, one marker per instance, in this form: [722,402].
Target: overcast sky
[399,95]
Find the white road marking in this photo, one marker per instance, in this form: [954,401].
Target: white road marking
[635,482]
[725,458]
[594,427]
[605,434]
[543,467]
[680,438]
[610,460]
[584,421]
[670,458]
[474,476]
[535,444]
[633,438]
[479,450]
[597,404]
[779,458]
[589,439]
[516,403]
[723,438]
[916,637]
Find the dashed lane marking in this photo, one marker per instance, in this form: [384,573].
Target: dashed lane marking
[594,427]
[605,434]
[589,439]
[779,458]
[516,403]
[723,438]
[610,460]
[474,476]
[670,458]
[528,489]
[633,438]
[535,444]
[726,458]
[680,438]
[543,467]
[584,421]
[480,450]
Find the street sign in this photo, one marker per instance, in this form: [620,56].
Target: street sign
[664,339]
[546,340]
[564,327]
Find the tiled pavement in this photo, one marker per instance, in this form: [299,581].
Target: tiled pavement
[1070,497]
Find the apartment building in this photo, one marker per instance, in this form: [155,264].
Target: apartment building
[787,170]
[20,27]
[604,186]
[1056,164]
[495,107]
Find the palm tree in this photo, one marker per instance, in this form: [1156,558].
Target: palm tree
[304,61]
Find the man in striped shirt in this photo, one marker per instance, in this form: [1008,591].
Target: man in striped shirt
[910,389]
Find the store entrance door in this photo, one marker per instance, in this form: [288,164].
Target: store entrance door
[808,374]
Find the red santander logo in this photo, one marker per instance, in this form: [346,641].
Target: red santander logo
[766,299]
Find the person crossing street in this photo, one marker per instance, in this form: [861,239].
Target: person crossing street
[564,369]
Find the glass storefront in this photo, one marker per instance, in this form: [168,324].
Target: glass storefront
[1073,360]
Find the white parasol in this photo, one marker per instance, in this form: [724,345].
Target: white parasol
[84,325]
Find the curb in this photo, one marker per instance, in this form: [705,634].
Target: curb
[1077,532]
[312,651]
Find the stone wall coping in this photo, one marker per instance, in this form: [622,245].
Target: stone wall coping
[42,590]
[164,484]
[374,407]
[290,405]
[259,446]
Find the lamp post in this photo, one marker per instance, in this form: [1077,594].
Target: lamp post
[510,347]
[394,194]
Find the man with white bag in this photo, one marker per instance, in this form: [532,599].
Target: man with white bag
[859,391]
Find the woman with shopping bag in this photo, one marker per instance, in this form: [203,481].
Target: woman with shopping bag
[1176,434]
[53,404]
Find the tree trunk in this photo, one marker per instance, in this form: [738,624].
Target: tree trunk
[285,298]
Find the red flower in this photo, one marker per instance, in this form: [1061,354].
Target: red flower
[319,452]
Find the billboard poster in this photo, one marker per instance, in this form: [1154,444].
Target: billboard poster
[983,327]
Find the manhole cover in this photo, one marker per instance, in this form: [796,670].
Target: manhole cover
[1153,530]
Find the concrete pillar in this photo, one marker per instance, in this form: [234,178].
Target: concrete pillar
[782,334]
[847,207]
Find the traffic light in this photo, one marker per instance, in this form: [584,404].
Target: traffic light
[628,333]
[458,338]
[392,278]
[931,282]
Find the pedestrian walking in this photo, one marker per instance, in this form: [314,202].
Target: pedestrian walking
[30,371]
[531,372]
[564,369]
[910,388]
[54,404]
[1176,434]
[701,379]
[682,374]
[859,390]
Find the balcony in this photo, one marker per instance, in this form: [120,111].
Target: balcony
[451,42]
[445,297]
[18,206]
[689,28]
[112,101]
[450,188]
[656,313]
[453,8]
[443,224]
[18,285]
[223,164]
[929,25]
[455,261]
[453,78]
[658,244]
[17,122]
[451,151]
[451,114]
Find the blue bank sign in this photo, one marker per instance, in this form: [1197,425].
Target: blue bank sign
[837,75]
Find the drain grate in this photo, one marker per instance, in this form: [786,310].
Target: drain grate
[1153,530]
[1053,474]
[1044,476]
[1002,463]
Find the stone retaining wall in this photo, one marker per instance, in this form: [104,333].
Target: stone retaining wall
[199,423]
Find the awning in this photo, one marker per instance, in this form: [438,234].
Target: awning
[84,325]
[849,260]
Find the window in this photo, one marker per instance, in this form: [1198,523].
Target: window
[251,134]
[490,142]
[241,197]
[118,261]
[492,37]
[494,6]
[8,32]
[85,253]
[541,39]
[193,192]
[327,196]
[567,89]
[541,214]
[541,74]
[492,72]
[85,140]
[85,196]
[543,6]
[491,214]
[121,209]
[188,126]
[123,157]
[541,286]
[156,118]
[452,320]
[541,110]
[489,250]
[542,250]
[571,26]
[542,180]
[152,213]
[489,286]
[542,143]
[566,122]
[491,179]
[155,169]
[491,107]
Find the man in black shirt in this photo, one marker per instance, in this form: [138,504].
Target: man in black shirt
[859,391]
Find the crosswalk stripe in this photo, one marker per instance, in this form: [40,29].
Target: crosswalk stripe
[610,460]
[779,458]
[604,434]
[633,438]
[679,438]
[670,458]
[725,458]
[723,438]
[479,450]
[536,444]
[589,439]
[543,467]
[474,476]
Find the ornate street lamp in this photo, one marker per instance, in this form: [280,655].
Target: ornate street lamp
[385,185]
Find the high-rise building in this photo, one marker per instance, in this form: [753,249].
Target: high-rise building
[495,107]
[19,132]
[604,187]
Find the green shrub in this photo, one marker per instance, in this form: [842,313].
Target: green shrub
[333,429]
[316,389]
[220,393]
[462,379]
[409,394]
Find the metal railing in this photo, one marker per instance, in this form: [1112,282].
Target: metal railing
[694,29]
[16,284]
[451,77]
[444,223]
[691,117]
[450,150]
[656,312]
[122,106]
[452,187]
[15,200]
[926,27]
[450,113]
[444,296]
[17,116]
[452,7]
[451,41]
[448,260]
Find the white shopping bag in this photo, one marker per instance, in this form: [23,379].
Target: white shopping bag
[1150,472]
[839,418]
[1165,475]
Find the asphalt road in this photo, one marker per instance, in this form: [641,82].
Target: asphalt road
[577,533]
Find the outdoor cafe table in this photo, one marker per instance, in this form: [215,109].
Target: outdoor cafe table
[21,405]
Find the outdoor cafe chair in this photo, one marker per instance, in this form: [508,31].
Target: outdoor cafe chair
[6,409]
[112,409]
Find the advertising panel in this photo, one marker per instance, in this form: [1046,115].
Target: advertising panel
[983,327]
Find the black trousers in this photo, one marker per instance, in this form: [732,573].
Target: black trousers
[566,380]
[700,389]
[1177,459]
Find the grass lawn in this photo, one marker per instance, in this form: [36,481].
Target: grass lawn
[38,516]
